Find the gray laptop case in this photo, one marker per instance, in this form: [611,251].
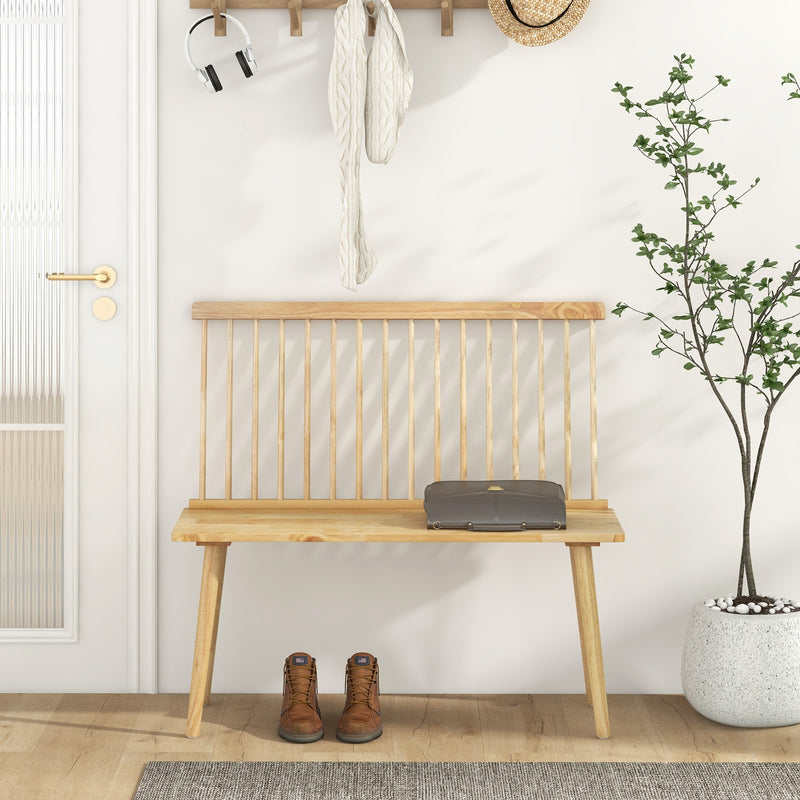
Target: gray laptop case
[496,505]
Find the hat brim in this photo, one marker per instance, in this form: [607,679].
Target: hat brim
[535,37]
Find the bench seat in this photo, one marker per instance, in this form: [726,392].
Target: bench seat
[326,521]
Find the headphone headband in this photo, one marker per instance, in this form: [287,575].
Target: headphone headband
[235,21]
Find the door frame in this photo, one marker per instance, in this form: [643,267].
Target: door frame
[142,348]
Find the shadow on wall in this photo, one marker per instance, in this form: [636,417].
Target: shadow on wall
[333,580]
[446,65]
[346,600]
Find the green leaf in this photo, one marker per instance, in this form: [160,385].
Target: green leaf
[689,365]
[671,185]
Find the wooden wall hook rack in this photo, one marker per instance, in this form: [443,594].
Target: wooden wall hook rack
[295,8]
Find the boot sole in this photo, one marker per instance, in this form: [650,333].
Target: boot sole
[359,738]
[299,738]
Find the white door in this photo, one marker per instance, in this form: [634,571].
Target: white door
[70,600]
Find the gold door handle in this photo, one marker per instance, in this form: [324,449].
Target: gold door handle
[103,277]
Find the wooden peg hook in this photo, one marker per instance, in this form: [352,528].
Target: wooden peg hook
[296,17]
[447,17]
[218,8]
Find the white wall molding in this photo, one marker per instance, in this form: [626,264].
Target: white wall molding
[142,361]
[66,635]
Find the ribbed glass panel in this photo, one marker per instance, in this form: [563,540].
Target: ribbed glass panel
[32,243]
[32,520]
[30,325]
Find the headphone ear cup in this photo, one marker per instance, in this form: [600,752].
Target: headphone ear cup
[212,76]
[240,57]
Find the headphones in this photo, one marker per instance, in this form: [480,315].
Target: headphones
[208,76]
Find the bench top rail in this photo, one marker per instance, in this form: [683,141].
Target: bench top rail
[405,311]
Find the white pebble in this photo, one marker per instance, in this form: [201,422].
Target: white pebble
[772,611]
[731,610]
[757,610]
[751,605]
[742,609]
[716,608]
[722,604]
[763,604]
[787,610]
[720,601]
[710,603]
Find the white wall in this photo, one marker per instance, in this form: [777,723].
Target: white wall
[514,178]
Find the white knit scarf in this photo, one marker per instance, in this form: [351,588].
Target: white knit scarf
[368,97]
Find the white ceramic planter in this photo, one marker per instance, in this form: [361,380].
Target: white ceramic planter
[743,670]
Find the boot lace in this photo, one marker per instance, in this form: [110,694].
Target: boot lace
[301,684]
[359,683]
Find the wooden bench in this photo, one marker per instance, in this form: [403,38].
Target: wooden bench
[455,357]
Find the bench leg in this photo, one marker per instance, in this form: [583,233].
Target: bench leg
[589,630]
[205,642]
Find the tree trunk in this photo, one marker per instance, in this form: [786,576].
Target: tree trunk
[746,561]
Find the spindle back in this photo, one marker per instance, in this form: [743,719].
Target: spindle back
[435,339]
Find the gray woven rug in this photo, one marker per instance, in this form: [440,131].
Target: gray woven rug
[305,780]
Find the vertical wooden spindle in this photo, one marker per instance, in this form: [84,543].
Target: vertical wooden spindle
[567,418]
[385,412]
[489,419]
[333,412]
[203,406]
[463,368]
[593,407]
[437,402]
[514,401]
[411,409]
[281,402]
[229,417]
[542,470]
[359,408]
[254,453]
[307,415]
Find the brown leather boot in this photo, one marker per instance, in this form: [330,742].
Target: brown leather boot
[361,718]
[300,721]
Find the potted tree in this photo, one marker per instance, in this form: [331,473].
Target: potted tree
[736,327]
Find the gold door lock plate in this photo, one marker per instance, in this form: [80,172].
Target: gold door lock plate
[104,308]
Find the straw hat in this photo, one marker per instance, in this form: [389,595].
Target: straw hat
[537,22]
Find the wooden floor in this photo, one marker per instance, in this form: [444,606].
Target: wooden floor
[94,747]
